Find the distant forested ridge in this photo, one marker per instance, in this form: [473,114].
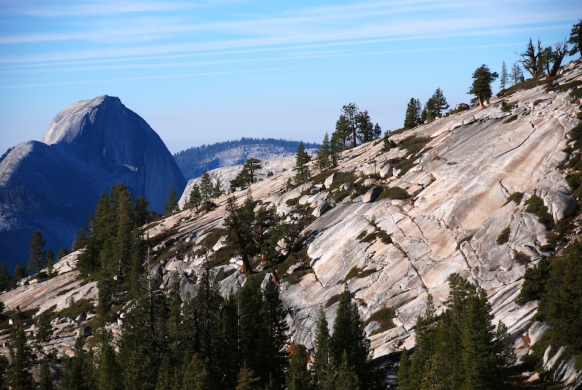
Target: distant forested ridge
[194,161]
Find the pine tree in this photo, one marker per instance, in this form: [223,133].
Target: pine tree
[297,375]
[275,335]
[4,277]
[576,39]
[45,329]
[404,371]
[323,363]
[37,258]
[481,87]
[108,373]
[301,160]
[206,190]
[347,378]
[365,128]
[246,379]
[196,376]
[413,113]
[217,191]
[516,74]
[20,362]
[195,198]
[141,211]
[172,202]
[349,337]
[504,76]
[50,263]
[139,372]
[530,59]
[19,273]
[46,382]
[324,154]
[439,103]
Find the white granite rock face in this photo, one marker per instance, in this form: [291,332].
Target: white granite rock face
[459,189]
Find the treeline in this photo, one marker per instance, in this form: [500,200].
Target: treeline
[205,342]
[194,161]
[461,348]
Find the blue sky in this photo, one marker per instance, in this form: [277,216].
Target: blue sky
[207,71]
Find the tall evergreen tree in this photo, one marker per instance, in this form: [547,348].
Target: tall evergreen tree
[481,87]
[46,382]
[413,114]
[196,376]
[403,375]
[301,160]
[530,59]
[323,363]
[324,154]
[516,73]
[206,191]
[576,39]
[297,375]
[439,103]
[365,128]
[4,277]
[37,254]
[349,337]
[503,77]
[172,201]
[20,377]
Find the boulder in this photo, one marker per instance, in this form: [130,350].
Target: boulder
[81,317]
[321,209]
[330,179]
[346,186]
[372,194]
[369,182]
[386,171]
[83,331]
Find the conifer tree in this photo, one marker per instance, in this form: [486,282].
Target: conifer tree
[301,160]
[275,334]
[141,211]
[20,362]
[324,154]
[323,363]
[37,254]
[4,277]
[347,378]
[439,103]
[413,114]
[516,73]
[246,379]
[297,375]
[530,59]
[46,382]
[19,273]
[365,128]
[206,190]
[195,198]
[217,191]
[403,375]
[481,87]
[78,373]
[172,202]
[349,337]
[196,376]
[108,373]
[576,39]
[503,77]
[45,329]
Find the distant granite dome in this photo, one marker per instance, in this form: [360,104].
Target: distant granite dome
[54,184]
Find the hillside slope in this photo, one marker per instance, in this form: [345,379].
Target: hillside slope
[456,177]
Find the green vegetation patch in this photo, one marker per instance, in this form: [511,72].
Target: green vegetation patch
[535,205]
[504,236]
[385,317]
[414,144]
[356,272]
[522,258]
[510,119]
[507,107]
[335,298]
[515,197]
[393,193]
